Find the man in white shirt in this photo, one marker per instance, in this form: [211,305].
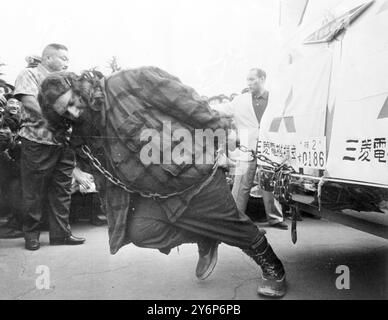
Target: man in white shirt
[247,110]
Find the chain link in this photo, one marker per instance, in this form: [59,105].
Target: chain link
[280,179]
[277,166]
[117,182]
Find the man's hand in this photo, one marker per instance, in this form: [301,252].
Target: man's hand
[86,180]
[223,161]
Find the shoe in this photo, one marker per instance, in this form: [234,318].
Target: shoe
[208,254]
[273,279]
[280,225]
[70,240]
[8,233]
[98,221]
[32,244]
[272,287]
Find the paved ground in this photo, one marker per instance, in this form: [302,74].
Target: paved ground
[90,272]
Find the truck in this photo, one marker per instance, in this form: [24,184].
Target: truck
[327,116]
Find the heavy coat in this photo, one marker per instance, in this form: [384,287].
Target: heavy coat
[146,98]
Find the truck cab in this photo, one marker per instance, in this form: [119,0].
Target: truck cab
[327,116]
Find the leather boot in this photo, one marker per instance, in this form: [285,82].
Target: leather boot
[207,250]
[31,241]
[273,279]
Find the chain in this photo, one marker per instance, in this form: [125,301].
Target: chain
[280,178]
[277,166]
[117,182]
[280,182]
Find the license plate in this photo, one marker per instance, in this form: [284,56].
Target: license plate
[303,153]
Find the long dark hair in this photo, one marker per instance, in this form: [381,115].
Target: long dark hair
[87,86]
[88,128]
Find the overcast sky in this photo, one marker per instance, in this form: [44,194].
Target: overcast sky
[209,44]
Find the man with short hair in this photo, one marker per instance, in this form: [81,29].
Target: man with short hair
[247,110]
[12,113]
[46,164]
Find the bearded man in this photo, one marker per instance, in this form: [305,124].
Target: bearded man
[166,203]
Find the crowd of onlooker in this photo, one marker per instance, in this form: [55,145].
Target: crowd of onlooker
[86,204]
[10,192]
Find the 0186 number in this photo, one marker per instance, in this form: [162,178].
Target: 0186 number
[313,159]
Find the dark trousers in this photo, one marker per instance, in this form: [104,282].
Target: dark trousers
[211,215]
[10,191]
[46,176]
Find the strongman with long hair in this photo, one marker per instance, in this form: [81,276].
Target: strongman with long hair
[171,202]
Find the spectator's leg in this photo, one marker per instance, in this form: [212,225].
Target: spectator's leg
[243,182]
[35,167]
[273,209]
[59,196]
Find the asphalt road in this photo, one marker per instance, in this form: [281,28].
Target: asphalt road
[90,272]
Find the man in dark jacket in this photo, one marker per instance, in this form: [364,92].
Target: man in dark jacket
[167,195]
